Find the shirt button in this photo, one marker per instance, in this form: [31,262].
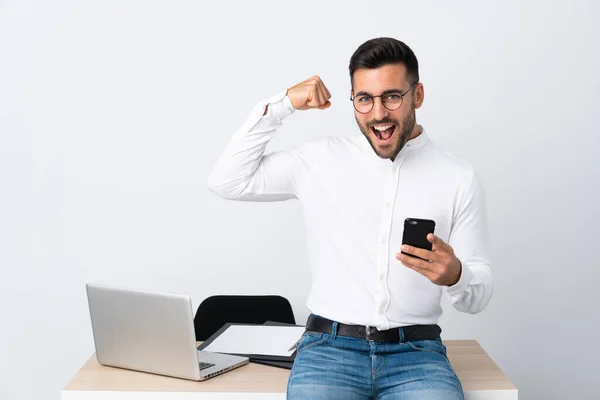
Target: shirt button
[382,240]
[382,277]
[388,204]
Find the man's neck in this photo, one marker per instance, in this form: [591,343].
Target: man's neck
[417,130]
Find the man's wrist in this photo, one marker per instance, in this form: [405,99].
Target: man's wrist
[278,106]
[457,275]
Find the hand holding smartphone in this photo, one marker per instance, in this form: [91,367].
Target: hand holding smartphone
[415,233]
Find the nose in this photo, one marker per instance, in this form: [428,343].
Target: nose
[379,112]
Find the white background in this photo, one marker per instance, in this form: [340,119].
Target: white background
[113,112]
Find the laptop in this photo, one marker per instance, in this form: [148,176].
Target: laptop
[151,332]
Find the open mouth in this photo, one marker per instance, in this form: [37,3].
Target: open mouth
[383,133]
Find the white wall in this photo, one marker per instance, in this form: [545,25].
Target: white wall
[113,112]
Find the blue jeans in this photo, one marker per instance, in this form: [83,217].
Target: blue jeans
[328,366]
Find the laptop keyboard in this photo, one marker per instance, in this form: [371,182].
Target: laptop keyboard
[204,365]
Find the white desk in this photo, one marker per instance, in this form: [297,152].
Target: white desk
[480,377]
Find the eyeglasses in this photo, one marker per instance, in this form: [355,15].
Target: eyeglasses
[392,100]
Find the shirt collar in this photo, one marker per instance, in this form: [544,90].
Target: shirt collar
[411,145]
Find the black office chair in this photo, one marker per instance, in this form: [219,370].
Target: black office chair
[216,311]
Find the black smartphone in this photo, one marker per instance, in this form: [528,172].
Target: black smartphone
[415,233]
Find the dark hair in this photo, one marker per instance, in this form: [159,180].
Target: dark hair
[382,51]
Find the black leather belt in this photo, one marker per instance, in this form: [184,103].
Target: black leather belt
[409,333]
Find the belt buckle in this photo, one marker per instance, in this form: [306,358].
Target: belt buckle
[369,330]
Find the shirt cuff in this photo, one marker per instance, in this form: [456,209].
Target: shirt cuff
[280,106]
[463,282]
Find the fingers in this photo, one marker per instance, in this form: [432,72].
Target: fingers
[439,243]
[317,96]
[321,96]
[414,262]
[314,98]
[430,270]
[425,268]
[324,95]
[325,106]
[325,90]
[423,253]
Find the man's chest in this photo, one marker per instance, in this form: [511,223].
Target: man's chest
[374,203]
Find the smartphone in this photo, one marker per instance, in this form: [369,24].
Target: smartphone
[415,233]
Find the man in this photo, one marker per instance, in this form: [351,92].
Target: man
[373,331]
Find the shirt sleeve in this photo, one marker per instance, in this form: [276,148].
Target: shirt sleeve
[469,239]
[243,171]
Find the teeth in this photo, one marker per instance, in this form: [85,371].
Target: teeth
[382,127]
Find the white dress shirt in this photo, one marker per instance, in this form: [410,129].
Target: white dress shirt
[355,204]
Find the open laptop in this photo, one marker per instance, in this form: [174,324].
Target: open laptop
[151,332]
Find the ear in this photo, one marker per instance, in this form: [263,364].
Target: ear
[418,95]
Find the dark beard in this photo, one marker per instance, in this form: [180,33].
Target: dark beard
[407,127]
